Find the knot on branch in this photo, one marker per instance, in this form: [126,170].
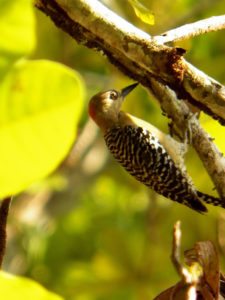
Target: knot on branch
[175,64]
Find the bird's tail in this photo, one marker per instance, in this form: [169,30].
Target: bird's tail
[211,200]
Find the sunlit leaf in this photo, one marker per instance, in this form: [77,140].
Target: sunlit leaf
[40,107]
[17,27]
[142,12]
[19,288]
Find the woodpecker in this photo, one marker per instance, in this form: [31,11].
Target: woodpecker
[145,152]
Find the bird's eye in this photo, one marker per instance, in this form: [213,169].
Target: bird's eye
[113,95]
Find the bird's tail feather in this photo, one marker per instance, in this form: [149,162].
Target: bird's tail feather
[211,199]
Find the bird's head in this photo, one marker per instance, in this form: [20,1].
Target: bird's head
[104,107]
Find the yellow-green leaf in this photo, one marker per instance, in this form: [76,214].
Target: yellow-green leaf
[142,12]
[20,288]
[41,103]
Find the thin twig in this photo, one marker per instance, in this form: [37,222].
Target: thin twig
[4,209]
[191,30]
[175,255]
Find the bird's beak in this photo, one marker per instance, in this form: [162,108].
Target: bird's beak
[128,89]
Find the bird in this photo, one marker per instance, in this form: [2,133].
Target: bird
[145,152]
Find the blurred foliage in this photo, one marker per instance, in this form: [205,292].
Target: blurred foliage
[17,31]
[90,231]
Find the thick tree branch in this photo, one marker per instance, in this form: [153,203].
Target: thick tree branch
[94,25]
[160,68]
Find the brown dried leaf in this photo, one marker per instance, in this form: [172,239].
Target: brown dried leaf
[205,254]
[165,295]
[208,258]
[180,291]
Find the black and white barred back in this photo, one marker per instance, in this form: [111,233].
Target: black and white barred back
[145,158]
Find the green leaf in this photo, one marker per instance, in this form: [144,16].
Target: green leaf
[17,27]
[142,12]
[20,288]
[41,103]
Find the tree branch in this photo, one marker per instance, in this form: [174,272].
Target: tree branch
[185,121]
[95,26]
[160,68]
[191,30]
